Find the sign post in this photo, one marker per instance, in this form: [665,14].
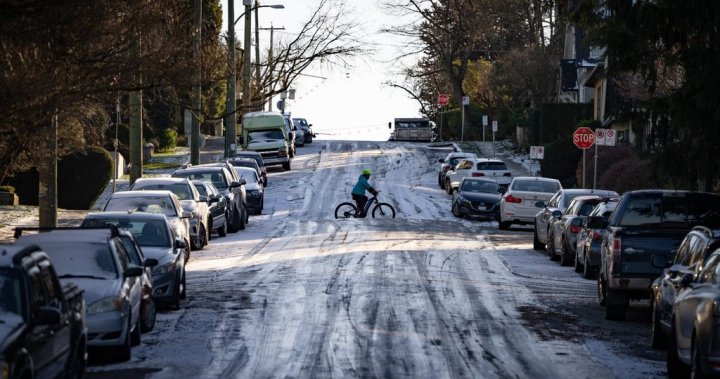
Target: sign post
[465,101]
[443,100]
[494,129]
[584,138]
[603,137]
[537,153]
[485,123]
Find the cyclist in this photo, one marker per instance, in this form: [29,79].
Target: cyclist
[358,192]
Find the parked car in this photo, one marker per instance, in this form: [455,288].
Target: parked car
[42,332]
[190,200]
[477,167]
[249,163]
[148,311]
[558,203]
[478,197]
[647,225]
[217,206]
[291,133]
[517,205]
[694,329]
[449,162]
[96,260]
[685,267]
[259,159]
[232,187]
[162,202]
[563,225]
[154,235]
[587,250]
[301,123]
[254,189]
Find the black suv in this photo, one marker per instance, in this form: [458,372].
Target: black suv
[684,268]
[42,328]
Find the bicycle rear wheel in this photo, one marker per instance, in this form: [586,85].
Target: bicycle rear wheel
[345,210]
[383,210]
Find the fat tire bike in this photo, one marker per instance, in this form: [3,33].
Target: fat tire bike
[379,210]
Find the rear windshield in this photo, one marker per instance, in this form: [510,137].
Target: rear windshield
[180,189]
[664,210]
[142,204]
[536,186]
[500,166]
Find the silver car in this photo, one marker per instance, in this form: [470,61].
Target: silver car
[162,202]
[97,262]
[154,235]
[518,204]
[191,201]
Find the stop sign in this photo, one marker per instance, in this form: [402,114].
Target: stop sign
[584,138]
[443,99]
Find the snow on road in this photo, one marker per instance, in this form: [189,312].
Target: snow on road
[426,295]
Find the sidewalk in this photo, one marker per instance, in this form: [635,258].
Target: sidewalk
[211,150]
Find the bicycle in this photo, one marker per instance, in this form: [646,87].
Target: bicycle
[380,210]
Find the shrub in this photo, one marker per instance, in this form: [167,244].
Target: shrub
[607,157]
[181,140]
[560,161]
[167,140]
[627,175]
[82,177]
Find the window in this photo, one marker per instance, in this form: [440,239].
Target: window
[122,255]
[682,255]
[571,209]
[51,287]
[497,166]
[554,200]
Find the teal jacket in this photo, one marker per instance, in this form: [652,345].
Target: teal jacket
[361,186]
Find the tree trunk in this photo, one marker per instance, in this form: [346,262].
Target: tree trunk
[47,174]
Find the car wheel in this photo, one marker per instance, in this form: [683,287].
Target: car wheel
[564,254]
[150,316]
[504,225]
[456,209]
[209,224]
[232,222]
[537,245]
[223,229]
[124,351]
[76,369]
[659,339]
[551,247]
[201,240]
[243,217]
[601,290]
[675,367]
[183,289]
[136,334]
[696,368]
[174,303]
[578,266]
[448,187]
[440,181]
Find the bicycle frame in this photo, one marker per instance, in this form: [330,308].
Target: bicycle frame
[369,203]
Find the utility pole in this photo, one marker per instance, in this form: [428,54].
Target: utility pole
[246,58]
[135,108]
[272,29]
[257,49]
[47,175]
[195,130]
[231,82]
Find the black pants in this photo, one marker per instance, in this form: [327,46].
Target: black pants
[361,200]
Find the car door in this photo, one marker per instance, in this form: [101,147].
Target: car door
[41,338]
[132,286]
[672,276]
[461,170]
[543,217]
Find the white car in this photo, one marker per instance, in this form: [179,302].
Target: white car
[491,168]
[449,162]
[518,204]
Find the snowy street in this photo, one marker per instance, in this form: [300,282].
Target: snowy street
[425,295]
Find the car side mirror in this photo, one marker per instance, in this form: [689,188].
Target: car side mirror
[186,214]
[214,199]
[133,271]
[180,244]
[540,204]
[47,316]
[441,161]
[150,262]
[556,214]
[235,184]
[242,182]
[659,261]
[203,199]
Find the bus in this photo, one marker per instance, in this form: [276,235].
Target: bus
[413,129]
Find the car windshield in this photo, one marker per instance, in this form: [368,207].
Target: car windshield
[263,135]
[142,204]
[249,176]
[10,292]
[499,166]
[151,233]
[479,186]
[214,177]
[181,190]
[88,259]
[536,186]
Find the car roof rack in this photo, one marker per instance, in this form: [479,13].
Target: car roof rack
[19,230]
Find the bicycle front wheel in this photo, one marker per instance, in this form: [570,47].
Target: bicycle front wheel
[345,210]
[383,210]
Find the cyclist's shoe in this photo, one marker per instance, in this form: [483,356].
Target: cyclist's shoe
[360,214]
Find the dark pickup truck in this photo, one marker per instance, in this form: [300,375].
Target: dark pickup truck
[646,224]
[42,325]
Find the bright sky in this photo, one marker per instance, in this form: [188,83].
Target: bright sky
[352,103]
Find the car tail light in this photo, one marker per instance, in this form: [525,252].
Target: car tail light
[575,229]
[512,199]
[507,174]
[615,245]
[597,236]
[476,174]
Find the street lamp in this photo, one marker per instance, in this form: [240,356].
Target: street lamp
[230,147]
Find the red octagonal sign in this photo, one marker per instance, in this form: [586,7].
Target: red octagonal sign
[584,138]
